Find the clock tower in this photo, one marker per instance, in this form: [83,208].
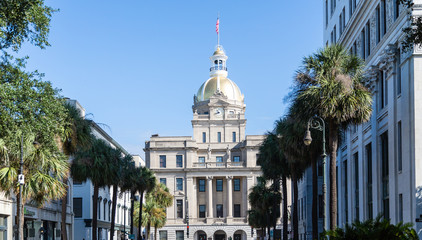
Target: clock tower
[219,109]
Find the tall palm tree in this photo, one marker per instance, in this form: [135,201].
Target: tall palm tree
[163,199]
[331,82]
[95,165]
[145,181]
[77,136]
[130,177]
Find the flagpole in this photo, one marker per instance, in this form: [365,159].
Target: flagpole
[218,29]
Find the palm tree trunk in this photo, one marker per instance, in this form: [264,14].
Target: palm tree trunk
[64,214]
[333,144]
[295,213]
[275,204]
[20,215]
[132,203]
[314,199]
[285,215]
[94,212]
[155,232]
[140,215]
[148,230]
[113,211]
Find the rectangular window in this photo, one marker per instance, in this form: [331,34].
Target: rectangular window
[378,24]
[219,210]
[399,147]
[204,137]
[384,175]
[384,18]
[346,194]
[368,150]
[340,23]
[202,209]
[396,9]
[234,136]
[219,161]
[179,161]
[236,210]
[201,161]
[179,206]
[321,206]
[219,185]
[400,207]
[236,158]
[201,185]
[77,207]
[180,235]
[163,235]
[368,39]
[352,7]
[356,159]
[326,13]
[335,34]
[362,37]
[236,183]
[162,161]
[163,181]
[179,184]
[219,137]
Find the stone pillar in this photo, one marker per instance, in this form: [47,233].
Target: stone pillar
[229,197]
[209,194]
[191,196]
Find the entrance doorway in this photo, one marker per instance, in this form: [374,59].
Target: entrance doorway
[220,236]
[202,237]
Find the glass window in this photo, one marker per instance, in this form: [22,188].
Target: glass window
[162,161]
[236,182]
[201,161]
[234,136]
[400,207]
[179,161]
[219,210]
[219,161]
[179,206]
[163,181]
[399,146]
[202,209]
[163,235]
[204,137]
[202,185]
[219,185]
[179,184]
[77,207]
[236,158]
[236,210]
[180,235]
[219,137]
[3,228]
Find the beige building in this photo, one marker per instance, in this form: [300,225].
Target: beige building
[210,173]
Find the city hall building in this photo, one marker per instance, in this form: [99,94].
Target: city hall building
[380,162]
[209,174]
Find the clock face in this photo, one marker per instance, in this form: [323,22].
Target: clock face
[219,112]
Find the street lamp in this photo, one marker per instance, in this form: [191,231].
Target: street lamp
[318,123]
[21,180]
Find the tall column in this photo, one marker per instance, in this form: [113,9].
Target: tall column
[229,197]
[209,202]
[191,196]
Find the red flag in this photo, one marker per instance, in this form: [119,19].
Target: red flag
[217,25]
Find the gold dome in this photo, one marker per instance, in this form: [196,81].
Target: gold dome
[228,87]
[219,51]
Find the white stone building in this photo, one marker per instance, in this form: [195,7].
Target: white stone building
[380,162]
[209,174]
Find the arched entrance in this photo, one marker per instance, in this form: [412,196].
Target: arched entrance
[220,235]
[239,235]
[200,235]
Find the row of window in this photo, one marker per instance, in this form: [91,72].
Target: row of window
[203,208]
[103,210]
[179,235]
[204,137]
[201,183]
[384,179]
[179,160]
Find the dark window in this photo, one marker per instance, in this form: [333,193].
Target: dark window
[378,24]
[326,13]
[179,161]
[234,136]
[400,207]
[236,158]
[396,9]
[321,206]
[163,181]
[162,161]
[399,146]
[77,207]
[163,235]
[219,210]
[219,137]
[384,17]
[179,184]
[356,160]
[368,39]
[180,235]
[236,209]
[202,209]
[384,175]
[368,149]
[179,205]
[202,185]
[362,37]
[204,137]
[219,185]
[335,34]
[236,182]
[382,90]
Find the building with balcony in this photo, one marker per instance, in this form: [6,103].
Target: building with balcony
[379,163]
[209,174]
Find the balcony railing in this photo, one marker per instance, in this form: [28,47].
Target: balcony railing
[215,68]
[218,164]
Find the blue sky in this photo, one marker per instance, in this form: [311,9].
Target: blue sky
[135,65]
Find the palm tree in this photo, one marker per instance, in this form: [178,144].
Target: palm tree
[77,136]
[331,82]
[130,177]
[94,164]
[163,199]
[144,182]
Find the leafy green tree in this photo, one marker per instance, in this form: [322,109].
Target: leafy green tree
[24,20]
[376,229]
[30,109]
[94,164]
[331,82]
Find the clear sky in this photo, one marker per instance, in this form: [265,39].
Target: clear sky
[136,65]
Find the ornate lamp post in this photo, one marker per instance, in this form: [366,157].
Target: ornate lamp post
[318,123]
